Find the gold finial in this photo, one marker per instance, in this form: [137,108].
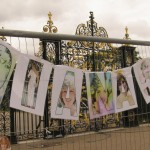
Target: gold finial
[49,27]
[3,37]
[126,34]
[49,15]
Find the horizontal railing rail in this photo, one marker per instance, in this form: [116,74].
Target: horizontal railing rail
[55,36]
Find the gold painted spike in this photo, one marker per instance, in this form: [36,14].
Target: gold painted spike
[126,34]
[49,27]
[50,15]
[126,28]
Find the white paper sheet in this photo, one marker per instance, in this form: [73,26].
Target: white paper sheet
[66,93]
[99,93]
[30,84]
[142,74]
[123,86]
[8,58]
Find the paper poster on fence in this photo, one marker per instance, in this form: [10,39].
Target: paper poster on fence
[66,93]
[8,58]
[99,93]
[124,96]
[30,84]
[142,74]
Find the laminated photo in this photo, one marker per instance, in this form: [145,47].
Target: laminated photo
[32,77]
[8,58]
[142,74]
[125,98]
[99,94]
[66,93]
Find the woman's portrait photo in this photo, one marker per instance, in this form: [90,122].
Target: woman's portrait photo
[96,88]
[101,95]
[67,97]
[31,84]
[123,92]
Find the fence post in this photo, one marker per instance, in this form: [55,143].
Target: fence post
[46,117]
[13,137]
[56,48]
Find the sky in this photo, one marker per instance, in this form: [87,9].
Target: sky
[113,15]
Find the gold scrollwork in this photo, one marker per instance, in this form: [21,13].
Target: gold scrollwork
[49,27]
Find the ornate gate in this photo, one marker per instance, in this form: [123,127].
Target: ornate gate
[93,56]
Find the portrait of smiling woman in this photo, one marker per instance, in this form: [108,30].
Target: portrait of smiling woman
[67,98]
[123,92]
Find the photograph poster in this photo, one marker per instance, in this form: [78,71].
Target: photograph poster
[99,93]
[30,84]
[8,58]
[142,74]
[66,93]
[124,92]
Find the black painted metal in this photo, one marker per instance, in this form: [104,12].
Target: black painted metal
[13,137]
[51,53]
[92,33]
[46,116]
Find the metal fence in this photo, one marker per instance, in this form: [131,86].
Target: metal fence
[87,53]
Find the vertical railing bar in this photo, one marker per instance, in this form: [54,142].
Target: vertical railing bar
[26,45]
